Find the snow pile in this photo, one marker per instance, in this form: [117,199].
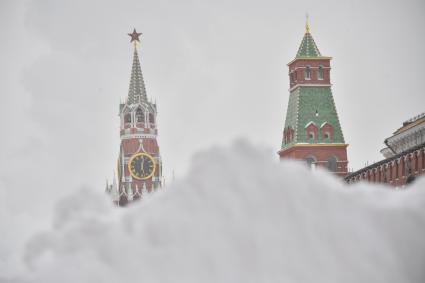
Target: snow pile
[237,217]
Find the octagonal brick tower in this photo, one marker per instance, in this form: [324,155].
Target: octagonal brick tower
[312,131]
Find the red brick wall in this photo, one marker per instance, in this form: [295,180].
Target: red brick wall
[130,147]
[296,68]
[327,128]
[320,154]
[395,172]
[312,128]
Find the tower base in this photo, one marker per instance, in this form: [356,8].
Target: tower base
[329,156]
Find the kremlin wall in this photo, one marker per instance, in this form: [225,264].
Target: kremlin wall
[404,157]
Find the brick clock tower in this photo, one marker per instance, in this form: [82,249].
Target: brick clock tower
[312,130]
[139,162]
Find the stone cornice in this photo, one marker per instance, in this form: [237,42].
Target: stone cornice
[309,85]
[298,145]
[309,58]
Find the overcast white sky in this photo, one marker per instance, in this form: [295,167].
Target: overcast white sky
[217,70]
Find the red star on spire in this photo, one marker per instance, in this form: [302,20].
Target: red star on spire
[135,35]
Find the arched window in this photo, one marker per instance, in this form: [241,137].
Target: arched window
[408,165]
[386,173]
[307,73]
[311,162]
[320,73]
[326,136]
[311,132]
[423,159]
[127,118]
[403,167]
[286,135]
[290,134]
[140,117]
[396,169]
[327,132]
[416,162]
[151,118]
[332,162]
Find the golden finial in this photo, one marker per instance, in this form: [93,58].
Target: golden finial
[307,24]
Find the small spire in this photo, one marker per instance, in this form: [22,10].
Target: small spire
[144,190]
[308,47]
[114,181]
[137,189]
[307,24]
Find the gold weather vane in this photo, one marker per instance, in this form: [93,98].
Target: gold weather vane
[307,24]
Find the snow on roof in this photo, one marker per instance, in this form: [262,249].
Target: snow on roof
[310,123]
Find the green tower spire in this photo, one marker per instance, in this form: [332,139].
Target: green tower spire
[137,90]
[312,107]
[308,47]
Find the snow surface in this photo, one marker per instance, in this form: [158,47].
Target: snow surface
[239,216]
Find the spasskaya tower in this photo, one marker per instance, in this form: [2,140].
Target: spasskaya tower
[139,165]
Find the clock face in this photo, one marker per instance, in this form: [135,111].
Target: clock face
[141,166]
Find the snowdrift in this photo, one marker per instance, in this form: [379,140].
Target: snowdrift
[238,216]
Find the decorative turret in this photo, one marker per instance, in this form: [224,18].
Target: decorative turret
[112,189]
[312,131]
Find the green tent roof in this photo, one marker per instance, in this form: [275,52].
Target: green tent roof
[308,47]
[137,90]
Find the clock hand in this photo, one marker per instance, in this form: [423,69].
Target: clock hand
[142,166]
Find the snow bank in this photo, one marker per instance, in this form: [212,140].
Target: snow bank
[237,217]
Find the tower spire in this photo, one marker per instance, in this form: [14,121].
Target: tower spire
[139,162]
[307,24]
[308,47]
[137,90]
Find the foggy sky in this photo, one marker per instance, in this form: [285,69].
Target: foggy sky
[217,70]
